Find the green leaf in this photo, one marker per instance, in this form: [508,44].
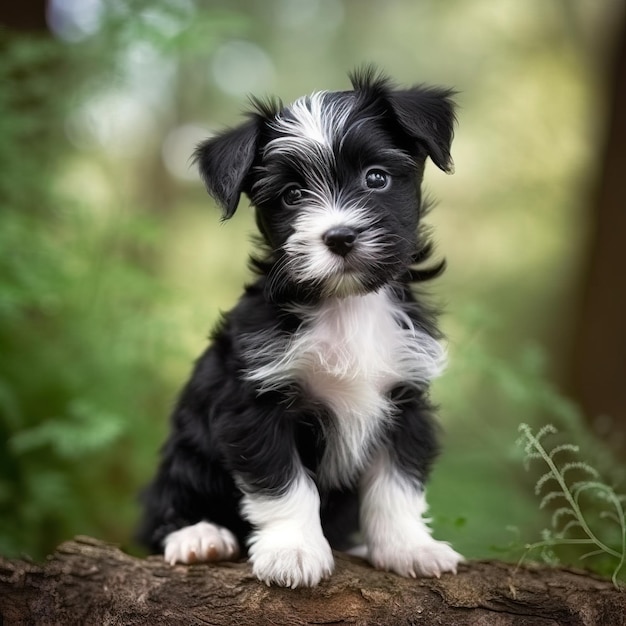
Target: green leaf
[82,432]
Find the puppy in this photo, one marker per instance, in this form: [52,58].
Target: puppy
[307,424]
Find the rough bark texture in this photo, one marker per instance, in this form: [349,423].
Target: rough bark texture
[90,582]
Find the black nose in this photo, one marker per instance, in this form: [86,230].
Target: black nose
[340,239]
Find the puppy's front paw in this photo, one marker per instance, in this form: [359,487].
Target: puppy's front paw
[425,557]
[290,560]
[201,542]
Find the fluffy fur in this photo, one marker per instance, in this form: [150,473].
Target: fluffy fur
[306,425]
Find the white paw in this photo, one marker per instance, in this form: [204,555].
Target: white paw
[201,542]
[359,551]
[290,559]
[426,557]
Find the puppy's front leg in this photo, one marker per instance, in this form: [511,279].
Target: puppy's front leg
[287,547]
[396,533]
[280,500]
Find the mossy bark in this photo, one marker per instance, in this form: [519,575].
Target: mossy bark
[89,582]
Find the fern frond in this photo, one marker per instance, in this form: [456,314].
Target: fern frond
[534,449]
[530,456]
[571,524]
[601,490]
[592,553]
[564,447]
[542,481]
[549,556]
[610,516]
[559,513]
[549,497]
[579,465]
[548,429]
[533,455]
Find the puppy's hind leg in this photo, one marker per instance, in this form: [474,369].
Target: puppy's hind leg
[203,541]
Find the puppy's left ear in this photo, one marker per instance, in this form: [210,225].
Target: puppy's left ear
[426,114]
[224,162]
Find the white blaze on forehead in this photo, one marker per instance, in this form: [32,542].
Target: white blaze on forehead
[315,120]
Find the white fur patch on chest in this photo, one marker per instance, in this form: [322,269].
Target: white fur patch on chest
[348,354]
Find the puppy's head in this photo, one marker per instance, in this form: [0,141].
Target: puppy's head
[335,180]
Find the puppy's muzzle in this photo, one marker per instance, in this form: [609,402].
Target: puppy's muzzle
[340,239]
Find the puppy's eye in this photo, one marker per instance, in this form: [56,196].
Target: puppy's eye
[292,196]
[377,179]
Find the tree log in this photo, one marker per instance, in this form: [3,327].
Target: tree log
[90,582]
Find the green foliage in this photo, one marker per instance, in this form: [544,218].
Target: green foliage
[484,396]
[101,250]
[586,512]
[75,351]
[87,338]
[85,430]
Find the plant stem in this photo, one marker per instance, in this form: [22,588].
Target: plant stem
[568,496]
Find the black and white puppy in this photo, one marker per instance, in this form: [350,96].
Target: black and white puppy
[307,423]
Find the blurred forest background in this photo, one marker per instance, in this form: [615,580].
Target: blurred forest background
[114,265]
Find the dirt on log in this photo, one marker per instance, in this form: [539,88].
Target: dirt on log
[90,582]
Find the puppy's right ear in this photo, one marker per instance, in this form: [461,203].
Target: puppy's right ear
[224,162]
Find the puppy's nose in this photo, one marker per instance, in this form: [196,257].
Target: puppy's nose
[340,239]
